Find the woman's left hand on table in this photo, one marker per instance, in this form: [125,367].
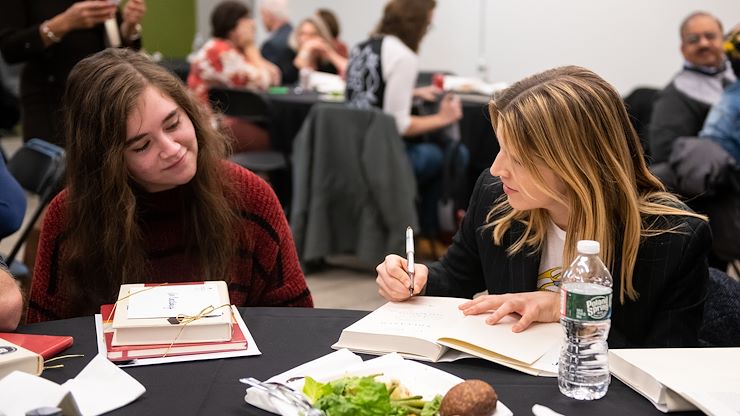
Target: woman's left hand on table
[539,306]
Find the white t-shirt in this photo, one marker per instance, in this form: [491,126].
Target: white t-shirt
[400,69]
[551,262]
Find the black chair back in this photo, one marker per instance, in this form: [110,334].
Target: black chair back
[721,323]
[241,103]
[250,106]
[639,104]
[39,168]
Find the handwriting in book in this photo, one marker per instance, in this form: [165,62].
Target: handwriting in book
[405,322]
[172,300]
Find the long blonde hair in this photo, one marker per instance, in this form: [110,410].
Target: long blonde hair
[575,123]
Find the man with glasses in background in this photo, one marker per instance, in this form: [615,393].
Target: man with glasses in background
[682,106]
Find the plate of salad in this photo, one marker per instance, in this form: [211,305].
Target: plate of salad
[387,385]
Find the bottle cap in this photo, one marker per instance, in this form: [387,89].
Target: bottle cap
[588,247]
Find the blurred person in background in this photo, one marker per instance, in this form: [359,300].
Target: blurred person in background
[681,107]
[314,46]
[11,300]
[274,15]
[12,202]
[231,59]
[332,23]
[382,73]
[12,210]
[723,121]
[51,37]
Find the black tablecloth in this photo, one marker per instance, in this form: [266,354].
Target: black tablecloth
[289,110]
[288,337]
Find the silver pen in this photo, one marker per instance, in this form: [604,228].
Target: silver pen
[410,257]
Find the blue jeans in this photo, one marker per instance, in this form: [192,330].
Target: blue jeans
[427,161]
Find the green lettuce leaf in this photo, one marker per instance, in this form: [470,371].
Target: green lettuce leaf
[363,396]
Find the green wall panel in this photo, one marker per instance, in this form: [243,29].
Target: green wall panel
[169,27]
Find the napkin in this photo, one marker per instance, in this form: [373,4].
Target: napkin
[99,388]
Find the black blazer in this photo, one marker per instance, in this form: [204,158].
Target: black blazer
[670,274]
[44,75]
[276,50]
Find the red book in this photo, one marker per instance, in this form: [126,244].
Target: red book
[46,346]
[129,352]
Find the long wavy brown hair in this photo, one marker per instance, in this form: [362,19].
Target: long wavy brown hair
[103,239]
[572,121]
[408,20]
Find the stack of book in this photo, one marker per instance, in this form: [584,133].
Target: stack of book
[154,321]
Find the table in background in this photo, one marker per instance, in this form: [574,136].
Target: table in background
[289,337]
[291,109]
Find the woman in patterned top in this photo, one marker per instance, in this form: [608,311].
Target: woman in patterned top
[150,198]
[231,59]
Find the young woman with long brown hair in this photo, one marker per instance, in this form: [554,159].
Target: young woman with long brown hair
[150,198]
[570,168]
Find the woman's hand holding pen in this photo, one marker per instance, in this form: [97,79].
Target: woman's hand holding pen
[394,281]
[539,306]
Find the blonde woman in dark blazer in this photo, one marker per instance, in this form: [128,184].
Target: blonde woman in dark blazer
[570,168]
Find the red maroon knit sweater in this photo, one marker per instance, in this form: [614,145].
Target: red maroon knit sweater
[266,267]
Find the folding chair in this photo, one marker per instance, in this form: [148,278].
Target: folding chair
[252,107]
[39,168]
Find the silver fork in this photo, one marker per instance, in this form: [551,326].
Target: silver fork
[285,394]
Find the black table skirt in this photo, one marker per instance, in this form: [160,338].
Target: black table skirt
[288,337]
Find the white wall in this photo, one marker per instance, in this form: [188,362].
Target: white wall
[629,42]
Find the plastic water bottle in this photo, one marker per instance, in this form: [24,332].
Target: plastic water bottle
[585,314]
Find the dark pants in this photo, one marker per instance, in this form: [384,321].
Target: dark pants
[428,162]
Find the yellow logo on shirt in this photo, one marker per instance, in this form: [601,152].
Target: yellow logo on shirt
[549,279]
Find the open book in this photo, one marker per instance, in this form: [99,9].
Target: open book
[678,379]
[434,329]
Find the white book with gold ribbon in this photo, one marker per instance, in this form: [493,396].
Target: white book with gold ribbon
[172,313]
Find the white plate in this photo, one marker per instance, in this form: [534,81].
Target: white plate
[418,378]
